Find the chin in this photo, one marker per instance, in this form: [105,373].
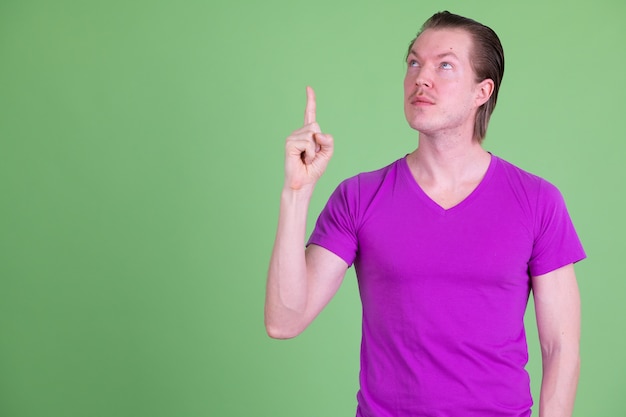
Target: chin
[420,125]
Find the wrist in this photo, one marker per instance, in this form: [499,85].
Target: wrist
[300,195]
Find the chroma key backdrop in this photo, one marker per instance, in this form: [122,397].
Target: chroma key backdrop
[141,163]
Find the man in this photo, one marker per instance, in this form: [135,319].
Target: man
[447,243]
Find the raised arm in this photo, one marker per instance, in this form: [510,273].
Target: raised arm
[300,283]
[557,305]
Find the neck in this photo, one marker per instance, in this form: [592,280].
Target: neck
[448,160]
[449,171]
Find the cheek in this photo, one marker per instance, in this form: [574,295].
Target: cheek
[408,86]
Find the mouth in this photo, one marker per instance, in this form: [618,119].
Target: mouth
[421,101]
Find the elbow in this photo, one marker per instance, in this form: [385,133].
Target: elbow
[281,332]
[283,323]
[561,354]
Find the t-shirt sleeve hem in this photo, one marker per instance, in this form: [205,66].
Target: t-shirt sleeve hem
[347,257]
[553,266]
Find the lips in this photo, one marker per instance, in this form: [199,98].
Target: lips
[421,100]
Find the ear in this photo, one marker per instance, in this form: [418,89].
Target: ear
[484,89]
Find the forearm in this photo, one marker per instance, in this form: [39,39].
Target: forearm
[561,370]
[557,307]
[286,295]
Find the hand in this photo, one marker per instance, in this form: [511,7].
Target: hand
[307,150]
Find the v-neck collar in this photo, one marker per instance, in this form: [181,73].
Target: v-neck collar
[413,184]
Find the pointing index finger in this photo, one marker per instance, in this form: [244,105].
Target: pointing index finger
[309,112]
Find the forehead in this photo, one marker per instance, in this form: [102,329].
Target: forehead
[436,42]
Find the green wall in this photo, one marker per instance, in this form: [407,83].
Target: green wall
[141,149]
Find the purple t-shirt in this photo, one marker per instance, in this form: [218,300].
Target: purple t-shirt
[444,291]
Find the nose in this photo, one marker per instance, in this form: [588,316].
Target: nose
[423,78]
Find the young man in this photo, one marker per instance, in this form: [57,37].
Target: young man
[447,243]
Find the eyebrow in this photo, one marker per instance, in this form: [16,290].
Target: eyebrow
[439,56]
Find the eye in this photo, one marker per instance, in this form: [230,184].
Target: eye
[446,65]
[412,63]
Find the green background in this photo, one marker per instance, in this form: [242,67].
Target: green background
[141,150]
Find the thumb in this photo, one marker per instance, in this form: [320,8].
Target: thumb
[324,141]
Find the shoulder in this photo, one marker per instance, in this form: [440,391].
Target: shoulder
[540,199]
[373,179]
[514,172]
[357,193]
[525,182]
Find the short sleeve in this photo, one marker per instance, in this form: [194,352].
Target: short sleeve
[556,242]
[335,227]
